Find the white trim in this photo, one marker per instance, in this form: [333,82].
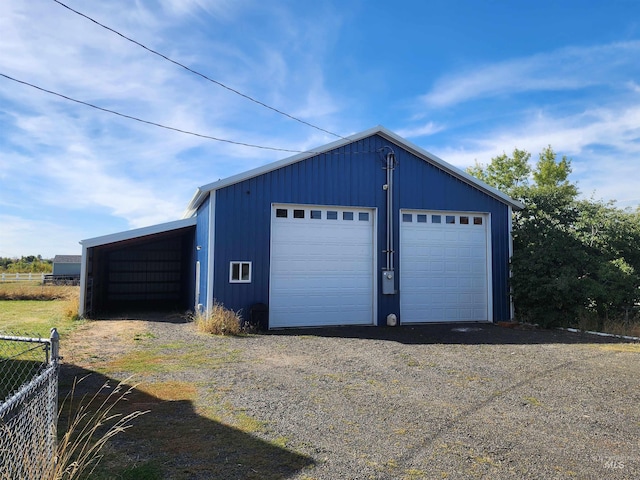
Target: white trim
[376,273]
[240,263]
[489,270]
[197,289]
[210,249]
[138,232]
[83,281]
[201,192]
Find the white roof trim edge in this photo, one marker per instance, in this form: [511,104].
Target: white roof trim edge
[138,232]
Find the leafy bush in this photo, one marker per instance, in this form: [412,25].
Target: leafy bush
[219,320]
[573,260]
[28,264]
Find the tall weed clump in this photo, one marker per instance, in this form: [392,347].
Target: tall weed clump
[218,320]
[72,307]
[90,425]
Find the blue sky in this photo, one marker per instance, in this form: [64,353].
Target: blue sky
[465,80]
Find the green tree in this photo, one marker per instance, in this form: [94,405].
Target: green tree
[28,264]
[571,256]
[508,174]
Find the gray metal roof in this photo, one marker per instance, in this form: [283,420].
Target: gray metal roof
[203,191]
[67,259]
[138,232]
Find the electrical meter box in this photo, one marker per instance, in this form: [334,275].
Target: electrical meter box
[388,282]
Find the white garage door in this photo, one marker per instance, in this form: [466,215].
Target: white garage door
[322,266]
[444,267]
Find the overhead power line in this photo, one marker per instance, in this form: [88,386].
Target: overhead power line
[147,121]
[220,84]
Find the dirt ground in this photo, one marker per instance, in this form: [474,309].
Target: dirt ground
[419,402]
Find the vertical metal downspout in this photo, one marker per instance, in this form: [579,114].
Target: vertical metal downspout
[391,160]
[388,274]
[389,266]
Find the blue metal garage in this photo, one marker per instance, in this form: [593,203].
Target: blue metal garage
[363,231]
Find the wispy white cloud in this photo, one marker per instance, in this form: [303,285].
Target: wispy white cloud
[429,128]
[604,144]
[64,157]
[568,68]
[221,9]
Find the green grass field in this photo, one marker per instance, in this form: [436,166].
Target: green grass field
[54,307]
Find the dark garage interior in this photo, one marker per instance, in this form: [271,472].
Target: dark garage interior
[152,273]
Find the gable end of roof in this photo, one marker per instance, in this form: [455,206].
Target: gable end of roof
[202,192]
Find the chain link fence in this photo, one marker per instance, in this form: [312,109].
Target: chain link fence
[28,406]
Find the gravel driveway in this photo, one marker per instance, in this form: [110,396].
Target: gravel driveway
[423,402]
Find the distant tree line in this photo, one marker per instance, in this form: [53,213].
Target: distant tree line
[28,264]
[572,258]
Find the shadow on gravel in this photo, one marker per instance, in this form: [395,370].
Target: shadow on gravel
[176,440]
[455,333]
[146,316]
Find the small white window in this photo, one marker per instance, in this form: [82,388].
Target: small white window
[240,272]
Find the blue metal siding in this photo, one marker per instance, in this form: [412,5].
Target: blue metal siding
[349,176]
[202,254]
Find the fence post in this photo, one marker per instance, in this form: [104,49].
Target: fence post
[55,346]
[3,276]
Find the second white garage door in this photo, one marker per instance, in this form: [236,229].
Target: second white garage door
[322,266]
[444,267]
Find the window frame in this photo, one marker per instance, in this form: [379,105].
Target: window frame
[240,264]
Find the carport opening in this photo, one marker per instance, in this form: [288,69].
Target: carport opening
[153,273]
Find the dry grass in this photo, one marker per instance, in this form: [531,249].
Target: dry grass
[36,291]
[218,321]
[71,307]
[27,308]
[616,326]
[622,328]
[91,424]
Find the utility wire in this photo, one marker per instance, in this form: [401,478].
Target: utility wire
[199,74]
[149,122]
